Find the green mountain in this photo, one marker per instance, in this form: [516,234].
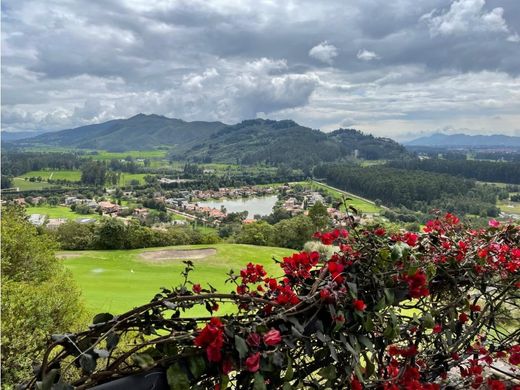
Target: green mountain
[277,142]
[248,142]
[140,132]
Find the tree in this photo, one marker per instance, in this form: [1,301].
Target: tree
[256,233]
[93,173]
[76,236]
[39,296]
[318,214]
[294,232]
[111,234]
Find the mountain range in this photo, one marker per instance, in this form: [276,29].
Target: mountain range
[248,142]
[465,141]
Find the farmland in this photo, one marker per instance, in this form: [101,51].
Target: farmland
[116,281]
[58,212]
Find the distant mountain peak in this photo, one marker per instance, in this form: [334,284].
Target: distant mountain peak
[465,140]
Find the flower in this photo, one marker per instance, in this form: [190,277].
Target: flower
[493,223]
[253,362]
[380,232]
[355,384]
[196,288]
[273,337]
[211,338]
[253,340]
[437,328]
[463,317]
[359,305]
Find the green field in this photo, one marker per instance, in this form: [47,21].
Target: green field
[356,202]
[55,175]
[26,185]
[104,155]
[126,178]
[116,281]
[58,212]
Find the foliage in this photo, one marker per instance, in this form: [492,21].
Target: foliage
[294,232]
[38,296]
[504,172]
[416,190]
[387,310]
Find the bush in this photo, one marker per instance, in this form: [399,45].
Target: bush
[390,311]
[38,296]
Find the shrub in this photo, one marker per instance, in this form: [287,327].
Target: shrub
[390,311]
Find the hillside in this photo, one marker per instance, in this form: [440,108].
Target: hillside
[248,142]
[140,132]
[277,142]
[464,140]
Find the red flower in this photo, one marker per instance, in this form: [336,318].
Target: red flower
[355,384]
[253,362]
[410,238]
[227,366]
[495,384]
[474,308]
[273,337]
[380,232]
[463,317]
[359,305]
[211,338]
[253,340]
[437,328]
[196,288]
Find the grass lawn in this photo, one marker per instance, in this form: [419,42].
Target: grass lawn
[69,175]
[26,185]
[116,281]
[509,207]
[126,178]
[358,203]
[58,212]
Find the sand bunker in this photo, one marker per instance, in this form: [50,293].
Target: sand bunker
[167,255]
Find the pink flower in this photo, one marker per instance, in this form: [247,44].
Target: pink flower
[493,223]
[273,337]
[253,362]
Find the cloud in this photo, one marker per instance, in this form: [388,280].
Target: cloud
[385,66]
[466,16]
[324,52]
[367,55]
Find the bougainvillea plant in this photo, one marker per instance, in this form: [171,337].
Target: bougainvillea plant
[430,310]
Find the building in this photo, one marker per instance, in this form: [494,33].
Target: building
[109,207]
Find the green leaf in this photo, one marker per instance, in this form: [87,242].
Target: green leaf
[389,295]
[112,340]
[48,380]
[177,378]
[259,383]
[370,367]
[429,322]
[87,363]
[197,366]
[328,372]
[289,373]
[353,289]
[224,382]
[241,346]
[102,318]
[366,342]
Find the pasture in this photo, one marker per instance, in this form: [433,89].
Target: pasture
[58,212]
[116,281]
[69,175]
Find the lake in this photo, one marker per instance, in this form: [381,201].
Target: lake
[256,205]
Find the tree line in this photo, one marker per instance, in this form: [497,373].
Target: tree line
[503,172]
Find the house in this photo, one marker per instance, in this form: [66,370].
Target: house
[141,213]
[37,219]
[54,223]
[20,201]
[109,207]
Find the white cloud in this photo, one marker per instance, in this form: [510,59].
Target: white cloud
[513,38]
[367,55]
[466,16]
[324,52]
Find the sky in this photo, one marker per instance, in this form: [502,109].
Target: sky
[401,68]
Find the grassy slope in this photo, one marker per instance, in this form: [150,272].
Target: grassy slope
[358,203]
[108,284]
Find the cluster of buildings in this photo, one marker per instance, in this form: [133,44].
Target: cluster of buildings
[241,192]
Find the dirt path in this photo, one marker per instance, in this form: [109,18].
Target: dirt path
[168,255]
